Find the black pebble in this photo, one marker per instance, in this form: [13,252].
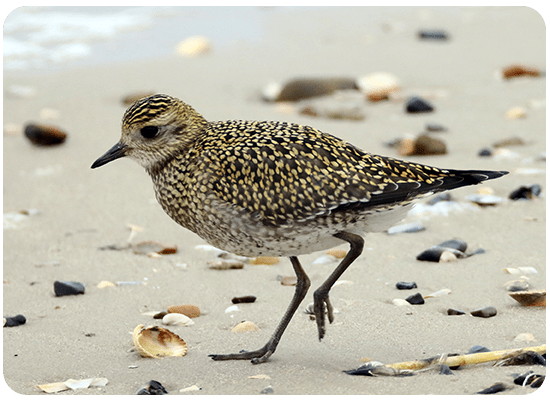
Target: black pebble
[485,312]
[445,370]
[525,192]
[405,285]
[415,299]
[478,349]
[433,35]
[485,153]
[435,128]
[243,299]
[15,321]
[454,311]
[418,105]
[152,388]
[533,380]
[42,135]
[65,288]
[267,390]
[497,387]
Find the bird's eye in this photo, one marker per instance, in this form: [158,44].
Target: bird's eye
[149,132]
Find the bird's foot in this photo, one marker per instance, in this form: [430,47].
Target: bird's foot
[256,357]
[320,300]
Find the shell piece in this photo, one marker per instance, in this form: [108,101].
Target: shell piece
[158,342]
[177,319]
[530,298]
[337,253]
[245,326]
[191,310]
[264,260]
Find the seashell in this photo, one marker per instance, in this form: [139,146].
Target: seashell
[243,299]
[194,46]
[104,284]
[63,288]
[326,259]
[337,253]
[485,312]
[158,342]
[192,388]
[74,384]
[517,286]
[516,113]
[536,298]
[524,337]
[423,145]
[400,302]
[439,293]
[454,311]
[149,247]
[207,247]
[418,105]
[263,260]
[289,281]
[12,129]
[189,310]
[378,86]
[525,192]
[484,199]
[44,135]
[245,326]
[177,319]
[222,265]
[511,141]
[260,376]
[431,127]
[521,270]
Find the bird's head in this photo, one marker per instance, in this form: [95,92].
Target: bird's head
[154,129]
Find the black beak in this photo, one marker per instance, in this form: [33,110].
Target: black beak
[117,151]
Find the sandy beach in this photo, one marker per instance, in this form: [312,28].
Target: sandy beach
[71,211]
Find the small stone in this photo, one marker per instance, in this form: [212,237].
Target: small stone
[439,293]
[400,302]
[245,326]
[149,247]
[485,153]
[177,319]
[444,369]
[524,337]
[191,310]
[243,299]
[105,284]
[160,315]
[418,105]
[511,141]
[44,135]
[485,312]
[415,299]
[378,86]
[194,46]
[516,113]
[263,260]
[232,309]
[337,253]
[14,321]
[406,285]
[289,281]
[152,388]
[433,35]
[517,286]
[532,298]
[423,145]
[519,70]
[430,127]
[525,192]
[454,311]
[497,387]
[478,349]
[64,288]
[406,228]
[222,265]
[267,390]
[305,88]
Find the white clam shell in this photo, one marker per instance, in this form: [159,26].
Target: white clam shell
[177,319]
[158,342]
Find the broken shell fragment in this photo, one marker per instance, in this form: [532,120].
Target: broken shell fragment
[158,342]
[337,253]
[532,298]
[245,326]
[190,310]
[177,319]
[222,265]
[153,247]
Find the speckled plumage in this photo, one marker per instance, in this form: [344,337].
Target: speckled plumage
[271,188]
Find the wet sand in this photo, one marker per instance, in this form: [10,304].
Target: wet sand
[80,210]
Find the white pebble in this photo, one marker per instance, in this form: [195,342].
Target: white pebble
[400,302]
[231,309]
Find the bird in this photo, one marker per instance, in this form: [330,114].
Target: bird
[267,188]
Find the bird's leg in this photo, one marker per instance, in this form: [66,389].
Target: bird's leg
[261,355]
[320,296]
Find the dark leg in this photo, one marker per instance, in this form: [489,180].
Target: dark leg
[261,355]
[320,296]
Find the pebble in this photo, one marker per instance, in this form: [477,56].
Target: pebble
[497,387]
[305,88]
[12,129]
[264,260]
[532,298]
[526,192]
[521,270]
[149,247]
[433,35]
[406,285]
[439,293]
[177,319]
[530,379]
[524,337]
[431,127]
[519,70]
[105,284]
[400,302]
[378,86]
[484,199]
[44,135]
[289,281]
[222,265]
[516,113]
[65,288]
[511,141]
[517,286]
[434,253]
[243,299]
[485,312]
[337,253]
[14,321]
[415,299]
[152,388]
[231,309]
[245,326]
[193,46]
[267,390]
[406,228]
[454,311]
[418,105]
[478,349]
[159,315]
[190,310]
[192,388]
[423,145]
